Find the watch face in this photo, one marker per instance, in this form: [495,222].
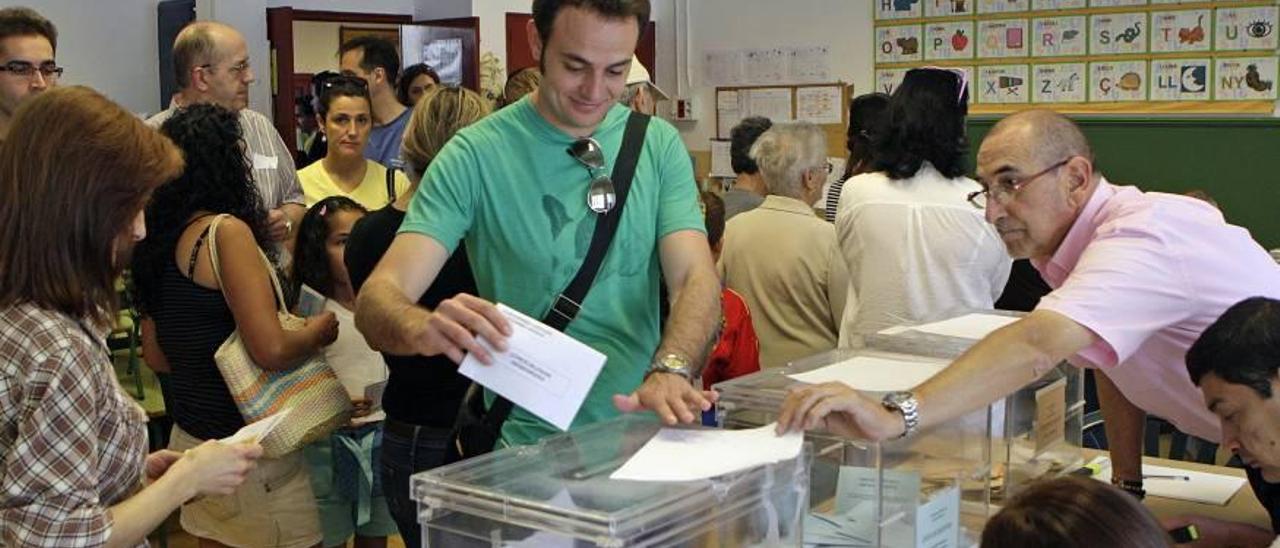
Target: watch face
[672,361]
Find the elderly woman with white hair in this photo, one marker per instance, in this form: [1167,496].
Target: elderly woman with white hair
[782,258]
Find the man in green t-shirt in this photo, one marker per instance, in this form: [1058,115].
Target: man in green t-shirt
[507,186]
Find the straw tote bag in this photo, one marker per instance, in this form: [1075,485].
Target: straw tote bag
[317,401]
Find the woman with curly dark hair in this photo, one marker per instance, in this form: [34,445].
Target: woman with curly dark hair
[916,249]
[195,305]
[414,81]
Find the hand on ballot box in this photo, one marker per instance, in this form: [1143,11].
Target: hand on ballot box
[840,410]
[670,396]
[455,326]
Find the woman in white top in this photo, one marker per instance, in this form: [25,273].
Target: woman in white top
[916,250]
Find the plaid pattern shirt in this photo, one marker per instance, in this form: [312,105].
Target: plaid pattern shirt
[72,444]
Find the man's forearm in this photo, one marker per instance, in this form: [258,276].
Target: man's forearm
[1124,424]
[1000,364]
[694,319]
[384,316]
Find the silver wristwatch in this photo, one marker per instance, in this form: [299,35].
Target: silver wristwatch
[906,404]
[672,363]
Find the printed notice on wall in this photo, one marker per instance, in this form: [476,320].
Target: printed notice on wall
[820,105]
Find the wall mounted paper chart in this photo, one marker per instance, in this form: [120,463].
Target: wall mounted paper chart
[1081,56]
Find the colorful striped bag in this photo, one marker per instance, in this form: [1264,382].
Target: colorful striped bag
[319,403]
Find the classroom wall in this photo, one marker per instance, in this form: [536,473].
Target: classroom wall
[90,48]
[493,25]
[843,25]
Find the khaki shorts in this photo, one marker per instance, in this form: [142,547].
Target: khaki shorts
[273,508]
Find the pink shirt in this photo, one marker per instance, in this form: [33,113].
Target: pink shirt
[1147,272]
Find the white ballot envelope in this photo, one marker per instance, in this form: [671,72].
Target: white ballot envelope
[543,370]
[256,432]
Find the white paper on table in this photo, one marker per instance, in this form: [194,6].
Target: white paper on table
[675,454]
[256,432]
[1202,487]
[969,326]
[543,370]
[873,374]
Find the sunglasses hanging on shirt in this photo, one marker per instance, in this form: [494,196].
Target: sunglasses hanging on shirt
[600,193]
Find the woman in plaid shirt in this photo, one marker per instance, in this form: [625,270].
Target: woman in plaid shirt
[72,445]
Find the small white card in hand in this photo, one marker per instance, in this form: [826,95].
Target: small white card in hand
[373,393]
[256,432]
[543,370]
[310,302]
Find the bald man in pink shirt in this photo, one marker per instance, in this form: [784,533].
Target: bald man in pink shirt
[1136,277]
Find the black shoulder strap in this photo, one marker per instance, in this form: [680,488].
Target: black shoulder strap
[391,185]
[567,304]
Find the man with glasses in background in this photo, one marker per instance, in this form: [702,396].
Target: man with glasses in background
[211,64]
[28,43]
[1136,277]
[527,210]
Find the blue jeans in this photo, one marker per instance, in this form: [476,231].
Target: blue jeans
[406,450]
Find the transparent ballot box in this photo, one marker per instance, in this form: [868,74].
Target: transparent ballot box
[1036,431]
[929,490]
[558,493]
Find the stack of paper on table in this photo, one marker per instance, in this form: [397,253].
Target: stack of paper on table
[675,454]
[873,374]
[970,326]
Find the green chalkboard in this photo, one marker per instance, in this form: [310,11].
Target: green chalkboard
[1235,160]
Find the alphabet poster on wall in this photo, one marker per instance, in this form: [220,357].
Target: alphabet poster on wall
[947,8]
[1115,81]
[948,40]
[1059,37]
[1181,79]
[1245,28]
[898,9]
[1115,3]
[1140,56]
[1045,5]
[1245,78]
[1003,84]
[1001,6]
[1118,33]
[1186,30]
[898,44]
[1059,83]
[1002,38]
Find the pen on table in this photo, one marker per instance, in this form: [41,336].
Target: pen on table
[1174,477]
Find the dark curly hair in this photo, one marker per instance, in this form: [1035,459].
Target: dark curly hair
[411,73]
[925,123]
[217,179]
[310,258]
[741,137]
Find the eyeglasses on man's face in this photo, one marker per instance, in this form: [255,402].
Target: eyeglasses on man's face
[1005,185]
[237,69]
[22,69]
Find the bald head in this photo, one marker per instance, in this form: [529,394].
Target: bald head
[1044,135]
[200,43]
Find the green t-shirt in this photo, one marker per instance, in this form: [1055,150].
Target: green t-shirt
[507,185]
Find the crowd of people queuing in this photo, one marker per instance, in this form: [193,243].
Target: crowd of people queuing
[421,206]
